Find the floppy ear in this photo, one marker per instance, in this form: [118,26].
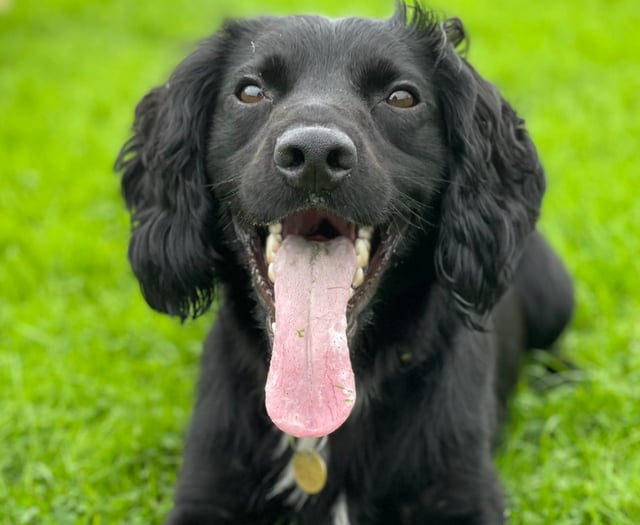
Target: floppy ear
[495,184]
[167,190]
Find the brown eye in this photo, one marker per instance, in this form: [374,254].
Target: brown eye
[401,99]
[251,94]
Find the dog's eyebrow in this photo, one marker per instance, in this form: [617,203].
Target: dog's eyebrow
[273,69]
[273,65]
[375,73]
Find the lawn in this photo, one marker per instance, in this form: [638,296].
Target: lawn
[96,390]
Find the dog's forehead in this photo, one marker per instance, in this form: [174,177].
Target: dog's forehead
[323,45]
[326,33]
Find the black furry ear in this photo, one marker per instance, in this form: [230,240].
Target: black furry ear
[496,183]
[166,187]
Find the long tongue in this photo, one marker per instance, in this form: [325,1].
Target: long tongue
[310,388]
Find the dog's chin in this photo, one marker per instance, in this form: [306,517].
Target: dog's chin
[373,246]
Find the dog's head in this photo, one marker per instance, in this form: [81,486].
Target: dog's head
[313,153]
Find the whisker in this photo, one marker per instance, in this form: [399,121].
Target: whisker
[440,180]
[410,209]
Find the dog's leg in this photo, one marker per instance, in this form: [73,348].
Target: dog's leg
[545,292]
[532,313]
[233,456]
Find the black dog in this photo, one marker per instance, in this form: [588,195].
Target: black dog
[391,194]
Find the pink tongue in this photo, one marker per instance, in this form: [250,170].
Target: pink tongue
[310,388]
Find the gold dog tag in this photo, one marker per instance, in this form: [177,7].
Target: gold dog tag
[309,471]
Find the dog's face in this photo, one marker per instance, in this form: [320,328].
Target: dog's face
[336,117]
[315,154]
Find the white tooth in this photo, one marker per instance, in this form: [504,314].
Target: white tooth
[273,327]
[362,252]
[351,292]
[272,273]
[365,232]
[275,228]
[272,247]
[358,278]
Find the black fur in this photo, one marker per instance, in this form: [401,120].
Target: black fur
[470,286]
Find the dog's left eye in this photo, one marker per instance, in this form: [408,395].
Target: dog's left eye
[251,94]
[401,99]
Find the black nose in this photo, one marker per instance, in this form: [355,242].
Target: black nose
[314,158]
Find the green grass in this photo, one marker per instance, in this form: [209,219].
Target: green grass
[95,389]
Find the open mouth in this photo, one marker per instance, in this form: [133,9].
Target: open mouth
[315,272]
[372,246]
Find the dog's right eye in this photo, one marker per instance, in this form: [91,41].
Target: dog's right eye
[401,99]
[250,94]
